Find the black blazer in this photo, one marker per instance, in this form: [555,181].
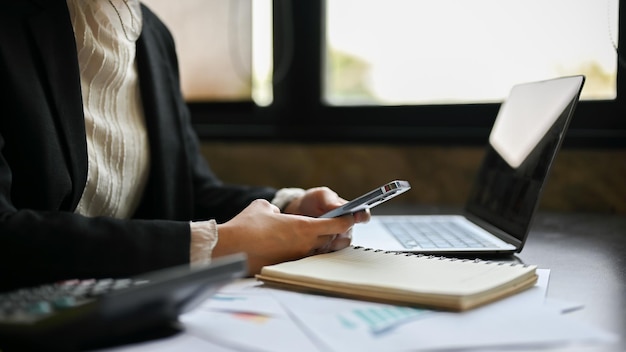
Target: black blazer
[43,158]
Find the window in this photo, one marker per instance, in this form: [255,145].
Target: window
[409,71]
[399,52]
[224,48]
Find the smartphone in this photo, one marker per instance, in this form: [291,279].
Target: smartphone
[370,199]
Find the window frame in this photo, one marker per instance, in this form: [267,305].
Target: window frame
[298,113]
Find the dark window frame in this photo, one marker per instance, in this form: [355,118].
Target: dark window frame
[298,113]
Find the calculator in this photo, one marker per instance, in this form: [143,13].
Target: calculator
[87,313]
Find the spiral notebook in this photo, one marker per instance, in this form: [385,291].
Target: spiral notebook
[402,278]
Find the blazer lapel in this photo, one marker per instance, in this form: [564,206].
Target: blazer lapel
[54,38]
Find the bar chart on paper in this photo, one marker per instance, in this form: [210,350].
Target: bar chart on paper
[379,319]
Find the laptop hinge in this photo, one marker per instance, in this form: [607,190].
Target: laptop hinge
[496,231]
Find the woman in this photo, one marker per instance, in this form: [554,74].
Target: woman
[100,170]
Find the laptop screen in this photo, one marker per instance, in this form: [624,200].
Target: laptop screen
[523,144]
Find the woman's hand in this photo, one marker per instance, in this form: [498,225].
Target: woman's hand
[318,201]
[268,236]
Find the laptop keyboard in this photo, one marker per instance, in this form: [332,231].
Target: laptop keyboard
[433,235]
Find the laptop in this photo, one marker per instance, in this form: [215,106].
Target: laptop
[523,143]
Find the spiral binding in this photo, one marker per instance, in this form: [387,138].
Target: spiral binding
[430,256]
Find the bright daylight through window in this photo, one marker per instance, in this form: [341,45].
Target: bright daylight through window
[405,52]
[213,41]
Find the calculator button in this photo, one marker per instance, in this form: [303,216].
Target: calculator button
[64,302]
[39,308]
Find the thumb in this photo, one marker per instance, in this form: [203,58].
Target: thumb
[336,225]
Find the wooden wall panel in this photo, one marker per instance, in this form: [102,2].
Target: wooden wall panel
[581,180]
